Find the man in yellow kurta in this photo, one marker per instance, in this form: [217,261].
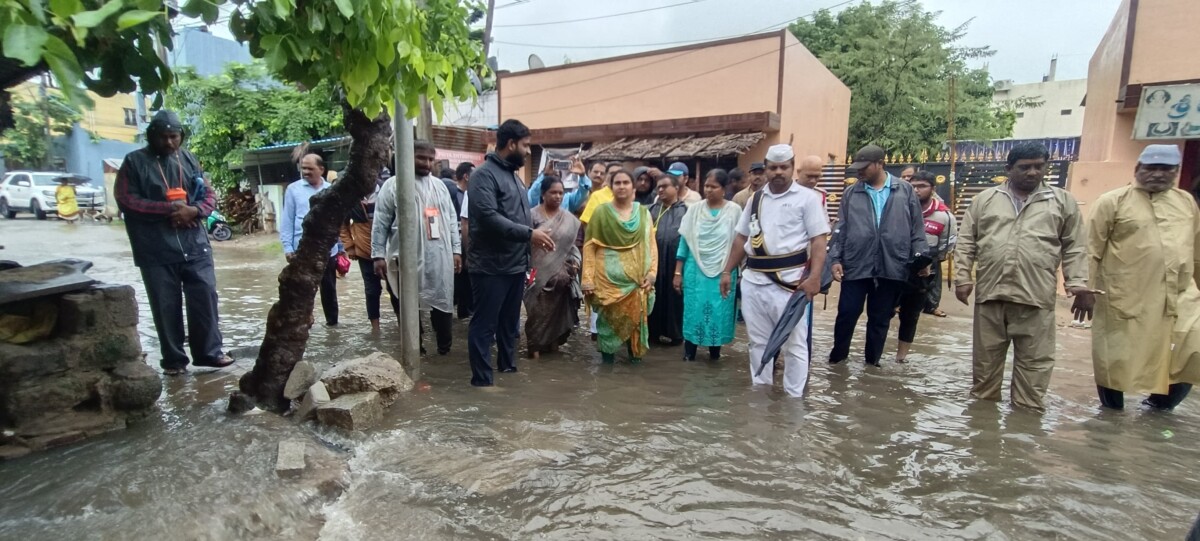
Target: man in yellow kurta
[1012,241]
[1142,242]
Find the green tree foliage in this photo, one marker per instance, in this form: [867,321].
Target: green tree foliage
[35,121]
[106,46]
[376,50]
[897,60]
[244,108]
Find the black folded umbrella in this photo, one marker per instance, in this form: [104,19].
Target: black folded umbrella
[792,313]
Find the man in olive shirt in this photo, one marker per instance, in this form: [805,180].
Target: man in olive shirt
[1014,237]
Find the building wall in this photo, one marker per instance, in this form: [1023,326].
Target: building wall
[815,112]
[1108,152]
[1165,30]
[724,79]
[207,53]
[106,119]
[1047,120]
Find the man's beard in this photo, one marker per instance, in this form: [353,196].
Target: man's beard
[516,160]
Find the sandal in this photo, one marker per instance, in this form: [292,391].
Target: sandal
[174,371]
[224,361]
[937,313]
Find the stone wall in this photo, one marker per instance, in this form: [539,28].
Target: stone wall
[89,377]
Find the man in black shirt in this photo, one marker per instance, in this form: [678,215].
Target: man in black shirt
[498,252]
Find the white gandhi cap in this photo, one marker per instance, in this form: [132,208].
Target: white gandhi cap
[780,153]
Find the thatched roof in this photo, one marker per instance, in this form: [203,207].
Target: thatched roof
[714,146]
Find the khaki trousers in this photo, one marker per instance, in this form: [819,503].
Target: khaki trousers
[1031,332]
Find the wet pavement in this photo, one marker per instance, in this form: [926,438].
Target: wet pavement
[571,448]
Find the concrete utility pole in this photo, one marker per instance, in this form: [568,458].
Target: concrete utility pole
[406,236]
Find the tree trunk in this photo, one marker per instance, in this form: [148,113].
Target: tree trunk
[290,318]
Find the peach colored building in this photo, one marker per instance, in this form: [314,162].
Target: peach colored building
[1149,43]
[716,104]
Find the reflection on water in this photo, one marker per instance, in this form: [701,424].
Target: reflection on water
[571,448]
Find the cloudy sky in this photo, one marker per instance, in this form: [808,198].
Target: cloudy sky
[1024,33]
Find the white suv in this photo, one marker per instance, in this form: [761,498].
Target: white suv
[26,191]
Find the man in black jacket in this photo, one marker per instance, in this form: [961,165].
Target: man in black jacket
[163,194]
[879,233]
[498,254]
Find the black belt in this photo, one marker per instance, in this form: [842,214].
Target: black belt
[777,263]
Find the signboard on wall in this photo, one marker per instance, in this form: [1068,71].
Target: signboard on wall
[1168,112]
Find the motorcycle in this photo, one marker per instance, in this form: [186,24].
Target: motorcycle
[217,227]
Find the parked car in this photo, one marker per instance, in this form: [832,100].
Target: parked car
[33,192]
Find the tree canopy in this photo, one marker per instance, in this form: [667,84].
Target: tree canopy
[244,108]
[897,60]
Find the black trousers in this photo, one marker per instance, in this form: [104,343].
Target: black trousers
[374,286]
[168,288]
[1112,398]
[689,351]
[464,298]
[933,293]
[880,297]
[914,300]
[328,289]
[443,328]
[497,318]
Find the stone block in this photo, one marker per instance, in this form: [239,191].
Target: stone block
[19,362]
[61,428]
[313,399]
[121,304]
[56,393]
[377,372]
[80,313]
[105,350]
[289,458]
[356,411]
[134,386]
[303,376]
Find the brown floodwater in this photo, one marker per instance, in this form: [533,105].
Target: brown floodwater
[570,448]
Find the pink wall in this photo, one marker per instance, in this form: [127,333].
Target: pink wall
[724,79]
[1108,153]
[816,106]
[1165,42]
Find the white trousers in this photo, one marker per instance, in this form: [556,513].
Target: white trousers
[595,317]
[762,307]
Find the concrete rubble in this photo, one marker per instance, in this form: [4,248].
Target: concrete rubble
[356,411]
[350,395]
[88,377]
[289,458]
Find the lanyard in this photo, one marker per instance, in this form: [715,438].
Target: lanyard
[664,210]
[163,174]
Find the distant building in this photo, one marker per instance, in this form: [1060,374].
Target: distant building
[715,104]
[1046,109]
[208,54]
[1146,47]
[110,118]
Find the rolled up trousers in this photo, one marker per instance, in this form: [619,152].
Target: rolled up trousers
[762,307]
[1030,330]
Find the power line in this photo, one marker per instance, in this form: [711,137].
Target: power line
[681,42]
[689,2]
[659,61]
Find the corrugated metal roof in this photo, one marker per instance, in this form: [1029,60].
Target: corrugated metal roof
[714,146]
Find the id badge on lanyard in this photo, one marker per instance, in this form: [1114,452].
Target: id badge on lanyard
[433,223]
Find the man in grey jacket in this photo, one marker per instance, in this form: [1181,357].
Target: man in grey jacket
[498,252]
[880,232]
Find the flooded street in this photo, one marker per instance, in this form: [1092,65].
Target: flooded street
[571,448]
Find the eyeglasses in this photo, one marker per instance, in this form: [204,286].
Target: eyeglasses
[663,187]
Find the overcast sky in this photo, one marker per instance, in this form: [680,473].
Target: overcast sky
[1024,33]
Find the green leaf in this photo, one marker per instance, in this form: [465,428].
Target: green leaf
[345,7]
[385,53]
[130,19]
[283,8]
[92,19]
[65,8]
[25,43]
[38,8]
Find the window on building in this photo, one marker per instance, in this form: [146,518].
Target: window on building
[1020,115]
[1065,112]
[130,117]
